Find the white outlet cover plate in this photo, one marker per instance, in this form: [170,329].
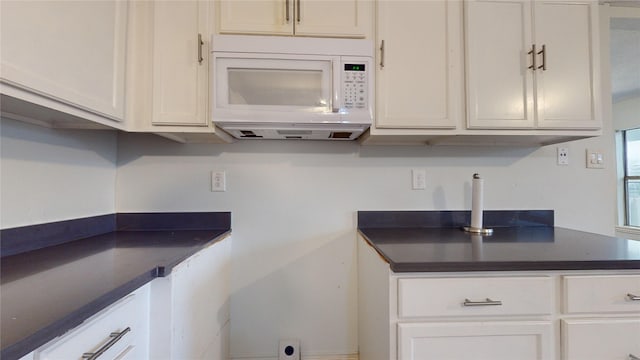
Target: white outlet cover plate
[218,181]
[418,179]
[563,156]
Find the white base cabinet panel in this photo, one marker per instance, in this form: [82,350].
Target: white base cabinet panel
[507,340]
[190,307]
[601,339]
[492,315]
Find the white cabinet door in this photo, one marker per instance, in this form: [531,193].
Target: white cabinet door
[520,340]
[499,83]
[521,78]
[601,339]
[568,86]
[322,18]
[273,17]
[418,79]
[180,63]
[332,18]
[69,51]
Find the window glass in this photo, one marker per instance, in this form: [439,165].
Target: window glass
[633,152]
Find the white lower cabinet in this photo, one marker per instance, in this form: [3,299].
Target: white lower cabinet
[493,315]
[447,309]
[601,339]
[120,331]
[184,315]
[190,307]
[485,340]
[607,321]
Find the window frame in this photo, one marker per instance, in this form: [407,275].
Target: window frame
[626,178]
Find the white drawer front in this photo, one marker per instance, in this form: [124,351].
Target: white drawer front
[95,333]
[586,294]
[601,339]
[468,296]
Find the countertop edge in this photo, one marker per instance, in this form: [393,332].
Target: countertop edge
[503,266]
[466,266]
[77,317]
[375,248]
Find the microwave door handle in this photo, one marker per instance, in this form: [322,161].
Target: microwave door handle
[335,86]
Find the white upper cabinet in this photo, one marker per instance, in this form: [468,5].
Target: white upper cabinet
[499,85]
[419,74]
[256,17]
[322,18]
[72,52]
[568,84]
[168,70]
[180,63]
[532,64]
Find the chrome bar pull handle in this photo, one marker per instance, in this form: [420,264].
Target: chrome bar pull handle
[633,357]
[486,302]
[115,337]
[200,43]
[533,57]
[286,11]
[633,297]
[543,52]
[298,11]
[382,54]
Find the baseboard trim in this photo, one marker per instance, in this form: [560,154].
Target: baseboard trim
[306,357]
[331,357]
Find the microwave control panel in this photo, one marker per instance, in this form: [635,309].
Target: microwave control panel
[354,86]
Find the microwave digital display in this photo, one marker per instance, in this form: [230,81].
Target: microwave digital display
[353,67]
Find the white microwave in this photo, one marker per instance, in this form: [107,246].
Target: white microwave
[268,87]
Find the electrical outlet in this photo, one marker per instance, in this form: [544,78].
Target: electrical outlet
[563,156]
[418,179]
[218,181]
[289,349]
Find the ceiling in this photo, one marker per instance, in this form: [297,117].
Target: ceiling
[625,57]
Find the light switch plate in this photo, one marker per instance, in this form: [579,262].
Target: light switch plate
[595,159]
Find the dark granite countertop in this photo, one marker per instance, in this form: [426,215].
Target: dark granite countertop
[414,242]
[48,291]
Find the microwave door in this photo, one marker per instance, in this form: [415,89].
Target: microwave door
[269,87]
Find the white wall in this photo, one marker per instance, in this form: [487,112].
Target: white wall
[626,114]
[294,215]
[50,175]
